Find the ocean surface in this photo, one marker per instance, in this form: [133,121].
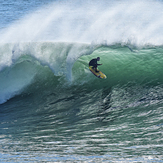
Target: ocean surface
[53,109]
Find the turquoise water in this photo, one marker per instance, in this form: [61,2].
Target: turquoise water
[53,109]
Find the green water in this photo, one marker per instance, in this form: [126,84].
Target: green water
[118,119]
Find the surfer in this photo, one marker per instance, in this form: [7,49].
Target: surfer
[94,63]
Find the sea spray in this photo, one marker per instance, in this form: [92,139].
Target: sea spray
[135,22]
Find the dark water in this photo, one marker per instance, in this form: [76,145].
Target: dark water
[53,109]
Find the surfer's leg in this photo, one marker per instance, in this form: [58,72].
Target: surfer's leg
[96,69]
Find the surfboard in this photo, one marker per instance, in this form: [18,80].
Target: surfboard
[98,74]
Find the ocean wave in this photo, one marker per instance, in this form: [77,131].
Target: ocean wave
[24,61]
[28,63]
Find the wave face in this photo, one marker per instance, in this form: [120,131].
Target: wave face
[52,106]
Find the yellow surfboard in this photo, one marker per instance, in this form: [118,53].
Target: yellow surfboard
[98,74]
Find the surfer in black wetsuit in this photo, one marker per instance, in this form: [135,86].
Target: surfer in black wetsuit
[94,63]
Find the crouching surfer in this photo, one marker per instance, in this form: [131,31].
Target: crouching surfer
[94,63]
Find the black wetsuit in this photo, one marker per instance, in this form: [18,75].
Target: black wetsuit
[94,63]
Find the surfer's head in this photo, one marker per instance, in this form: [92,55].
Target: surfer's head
[98,58]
